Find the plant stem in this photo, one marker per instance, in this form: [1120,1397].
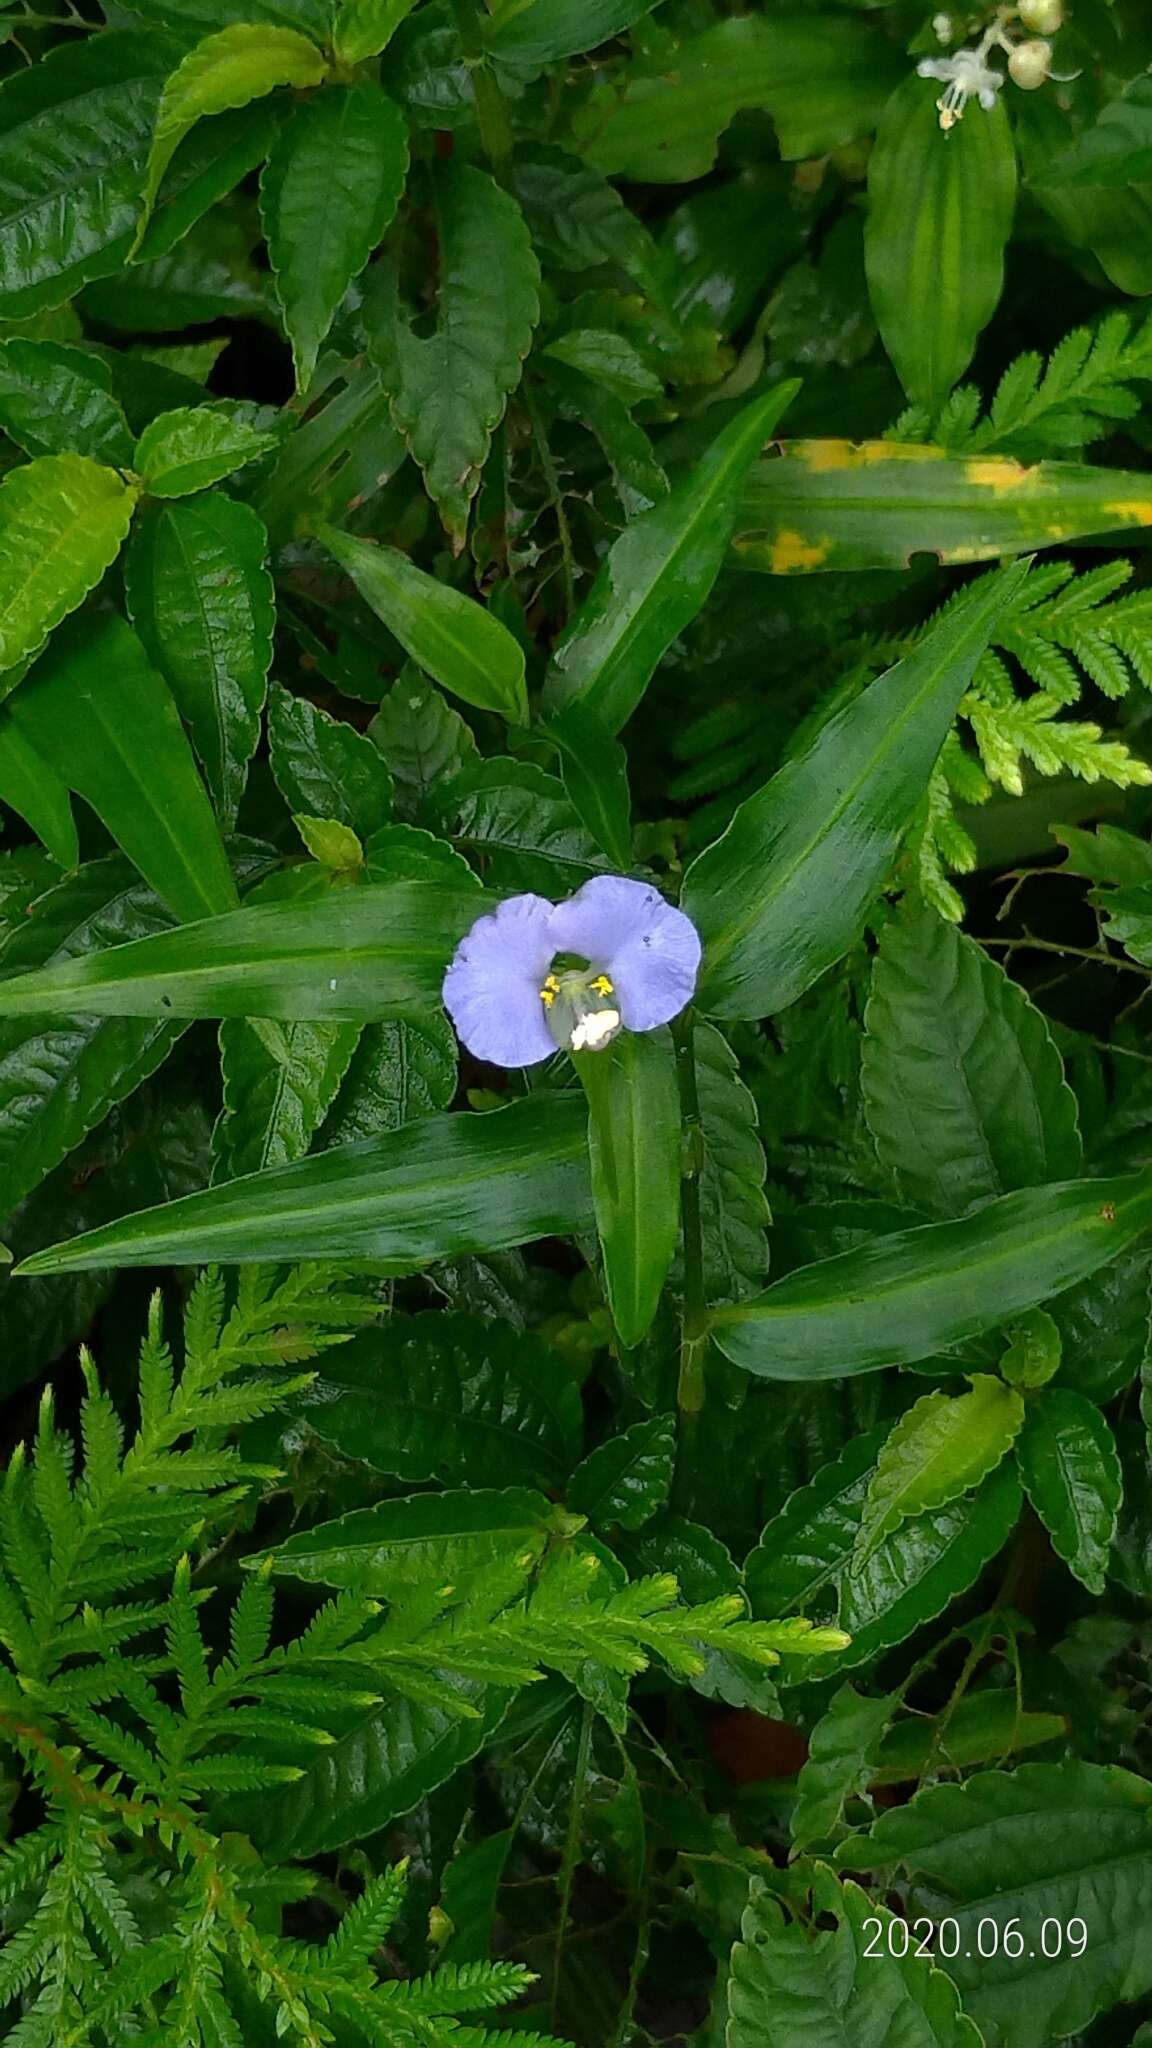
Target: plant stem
[491,106]
[694,1331]
[571,1848]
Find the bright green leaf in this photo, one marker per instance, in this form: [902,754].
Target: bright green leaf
[194,447]
[634,1146]
[227,69]
[942,1447]
[55,399]
[63,520]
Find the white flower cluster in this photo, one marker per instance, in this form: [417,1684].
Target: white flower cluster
[967,74]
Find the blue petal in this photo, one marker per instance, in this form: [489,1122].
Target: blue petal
[649,951]
[492,989]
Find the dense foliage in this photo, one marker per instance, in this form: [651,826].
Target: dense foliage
[628,1520]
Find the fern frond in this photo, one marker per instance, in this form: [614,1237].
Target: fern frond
[367,1921]
[1039,408]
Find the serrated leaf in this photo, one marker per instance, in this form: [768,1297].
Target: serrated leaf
[401,1069]
[325,768]
[280,1080]
[516,823]
[734,1212]
[625,1481]
[365,27]
[327,194]
[634,1154]
[435,1189]
[942,1447]
[909,1296]
[964,1090]
[201,599]
[657,575]
[63,520]
[57,400]
[195,446]
[423,1541]
[842,1755]
[450,636]
[424,741]
[449,1400]
[225,70]
[1071,1471]
[1048,1842]
[97,709]
[985,1727]
[449,389]
[803,1560]
[785,892]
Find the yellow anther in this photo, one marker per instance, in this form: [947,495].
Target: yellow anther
[550,991]
[602,986]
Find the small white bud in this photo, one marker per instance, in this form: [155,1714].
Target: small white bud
[943,27]
[1030,64]
[1042,17]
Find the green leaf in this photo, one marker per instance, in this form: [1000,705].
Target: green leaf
[627,1479]
[59,1080]
[841,1762]
[364,27]
[594,766]
[979,1728]
[328,192]
[634,1149]
[74,136]
[515,820]
[450,636]
[435,1189]
[449,389]
[424,1541]
[908,1296]
[209,164]
[942,1447]
[964,1091]
[1117,148]
[940,212]
[1071,1471]
[280,1080]
[785,892]
[532,33]
[803,1562]
[1047,1842]
[839,1987]
[58,400]
[578,220]
[192,448]
[201,599]
[830,505]
[657,575]
[228,69]
[324,768]
[348,955]
[424,741]
[451,1401]
[733,1210]
[96,708]
[63,520]
[400,1070]
[334,845]
[33,789]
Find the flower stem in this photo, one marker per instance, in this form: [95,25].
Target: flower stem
[491,106]
[694,1330]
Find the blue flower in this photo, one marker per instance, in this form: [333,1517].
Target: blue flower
[537,975]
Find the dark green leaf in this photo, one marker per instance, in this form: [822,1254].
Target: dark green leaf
[733,1209]
[516,822]
[578,220]
[225,70]
[627,1479]
[1071,1470]
[841,1760]
[424,741]
[537,33]
[58,400]
[33,789]
[280,1081]
[401,1069]
[326,769]
[634,1148]
[594,766]
[63,519]
[1117,148]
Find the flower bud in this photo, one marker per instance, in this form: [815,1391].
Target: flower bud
[1042,17]
[1030,64]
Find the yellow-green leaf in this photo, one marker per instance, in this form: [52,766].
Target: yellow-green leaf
[63,520]
[228,69]
[944,1446]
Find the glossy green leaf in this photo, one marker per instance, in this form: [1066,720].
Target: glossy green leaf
[325,768]
[634,1148]
[351,954]
[227,69]
[450,636]
[57,400]
[842,1754]
[449,389]
[202,602]
[940,212]
[59,1079]
[785,892]
[96,708]
[209,164]
[1045,1842]
[516,822]
[449,1400]
[625,1481]
[733,1210]
[365,27]
[327,195]
[194,447]
[401,1069]
[74,137]
[942,1447]
[31,786]
[964,1091]
[578,220]
[424,741]
[911,1295]
[280,1080]
[594,766]
[537,32]
[436,1189]
[980,1728]
[827,505]
[803,1562]
[1103,1327]
[1071,1470]
[419,1542]
[63,520]
[657,576]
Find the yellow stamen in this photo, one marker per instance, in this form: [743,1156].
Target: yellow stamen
[550,991]
[602,986]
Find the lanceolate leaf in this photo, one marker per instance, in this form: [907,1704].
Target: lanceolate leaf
[32,788]
[420,1541]
[436,1189]
[911,1295]
[227,70]
[658,574]
[96,708]
[201,600]
[329,191]
[964,1091]
[451,637]
[280,1080]
[58,400]
[785,891]
[543,30]
[625,1481]
[940,212]
[350,954]
[63,519]
[942,1447]
[634,1145]
[1070,1467]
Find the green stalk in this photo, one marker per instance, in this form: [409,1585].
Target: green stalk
[491,106]
[694,1329]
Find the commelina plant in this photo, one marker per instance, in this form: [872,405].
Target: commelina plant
[575,937]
